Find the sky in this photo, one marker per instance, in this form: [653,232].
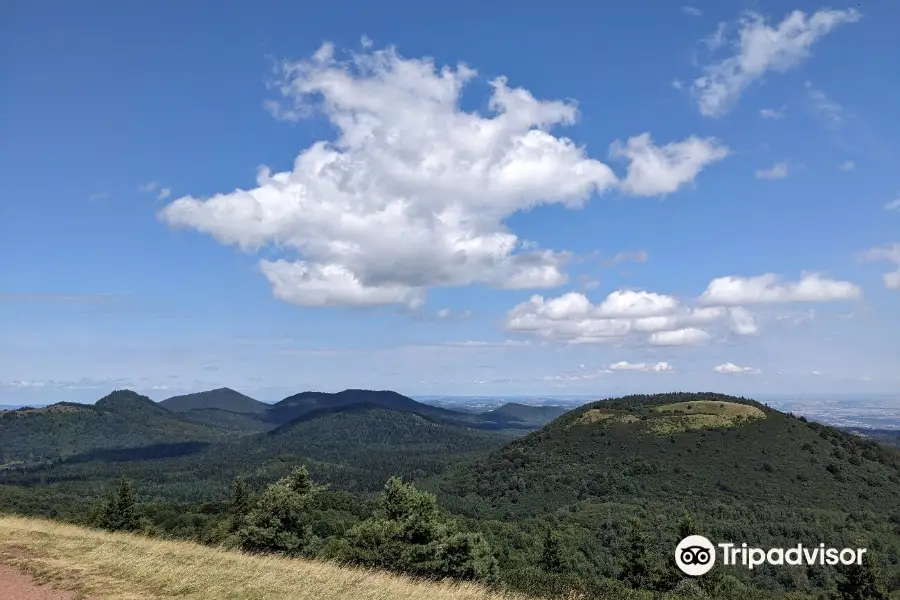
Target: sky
[565,198]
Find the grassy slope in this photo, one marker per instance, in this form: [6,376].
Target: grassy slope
[120,566]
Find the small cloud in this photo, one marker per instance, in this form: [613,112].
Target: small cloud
[164,193]
[446,314]
[824,107]
[677,84]
[660,367]
[692,11]
[98,196]
[366,42]
[639,257]
[771,113]
[849,166]
[688,336]
[715,40]
[889,254]
[733,369]
[148,187]
[893,205]
[778,171]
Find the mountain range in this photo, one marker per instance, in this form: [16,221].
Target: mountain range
[726,467]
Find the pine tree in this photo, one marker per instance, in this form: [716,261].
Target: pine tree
[409,533]
[119,513]
[280,520]
[551,557]
[240,504]
[639,570]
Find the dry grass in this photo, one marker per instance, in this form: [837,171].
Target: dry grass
[101,565]
[676,417]
[703,414]
[710,407]
[603,415]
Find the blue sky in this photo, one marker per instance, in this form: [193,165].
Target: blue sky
[567,199]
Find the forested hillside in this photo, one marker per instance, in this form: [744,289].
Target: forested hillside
[594,501]
[743,472]
[123,419]
[354,447]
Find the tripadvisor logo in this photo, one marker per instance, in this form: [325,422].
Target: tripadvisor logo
[696,555]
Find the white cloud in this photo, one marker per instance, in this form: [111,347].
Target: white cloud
[689,336]
[731,368]
[414,192]
[447,314]
[795,319]
[660,170]
[164,193]
[849,166]
[824,107]
[889,254]
[677,84]
[692,11]
[762,48]
[742,321]
[573,318]
[778,171]
[812,287]
[148,186]
[660,319]
[660,367]
[771,113]
[893,205]
[98,196]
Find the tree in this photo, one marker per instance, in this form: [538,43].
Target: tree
[119,512]
[687,526]
[409,533]
[279,521]
[551,557]
[639,570]
[239,506]
[862,582]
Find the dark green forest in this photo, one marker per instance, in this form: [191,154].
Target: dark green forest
[594,501]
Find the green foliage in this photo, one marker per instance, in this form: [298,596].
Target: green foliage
[123,419]
[409,533]
[861,582]
[279,521]
[356,448]
[593,509]
[119,512]
[552,559]
[639,570]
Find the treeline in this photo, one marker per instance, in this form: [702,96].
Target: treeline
[404,530]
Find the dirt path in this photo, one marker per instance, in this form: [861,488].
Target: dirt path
[16,585]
